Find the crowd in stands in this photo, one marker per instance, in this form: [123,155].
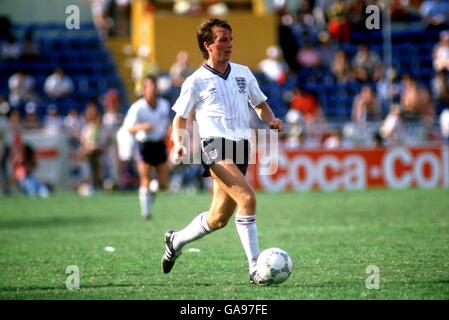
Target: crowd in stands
[339,75]
[111,17]
[38,96]
[326,77]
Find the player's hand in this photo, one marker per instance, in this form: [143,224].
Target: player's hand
[146,126]
[179,152]
[277,124]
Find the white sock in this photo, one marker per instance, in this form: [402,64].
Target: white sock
[197,229]
[145,202]
[247,230]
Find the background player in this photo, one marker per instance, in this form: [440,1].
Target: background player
[148,119]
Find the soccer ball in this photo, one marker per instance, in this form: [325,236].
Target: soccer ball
[274,265]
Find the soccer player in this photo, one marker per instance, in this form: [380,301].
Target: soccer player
[219,92]
[148,119]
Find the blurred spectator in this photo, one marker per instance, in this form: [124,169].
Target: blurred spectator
[357,16]
[305,28]
[30,49]
[58,85]
[402,11]
[141,67]
[287,40]
[53,123]
[309,57]
[112,120]
[184,7]
[31,120]
[273,66]
[341,68]
[389,89]
[392,129]
[338,21]
[11,49]
[367,65]
[327,49]
[5,145]
[180,69]
[123,16]
[24,165]
[441,52]
[444,124]
[72,125]
[365,107]
[113,117]
[294,129]
[378,140]
[99,10]
[320,9]
[307,103]
[21,86]
[416,102]
[435,13]
[333,140]
[92,148]
[15,123]
[440,88]
[216,7]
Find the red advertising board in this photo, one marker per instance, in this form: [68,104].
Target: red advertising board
[353,169]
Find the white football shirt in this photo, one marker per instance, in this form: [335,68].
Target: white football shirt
[220,101]
[159,117]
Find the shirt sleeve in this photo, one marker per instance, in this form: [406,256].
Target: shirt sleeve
[187,99]
[166,118]
[256,96]
[130,119]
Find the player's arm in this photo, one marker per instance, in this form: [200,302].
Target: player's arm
[265,113]
[145,126]
[132,124]
[179,131]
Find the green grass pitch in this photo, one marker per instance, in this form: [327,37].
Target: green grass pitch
[332,238]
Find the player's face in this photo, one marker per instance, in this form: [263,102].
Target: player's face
[220,50]
[149,89]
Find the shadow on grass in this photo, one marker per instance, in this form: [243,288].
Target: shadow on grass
[97,286]
[48,222]
[46,288]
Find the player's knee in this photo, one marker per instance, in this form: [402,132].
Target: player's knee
[248,200]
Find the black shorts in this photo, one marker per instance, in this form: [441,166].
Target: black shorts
[153,152]
[216,149]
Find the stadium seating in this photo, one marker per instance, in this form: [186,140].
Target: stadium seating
[412,57]
[82,55]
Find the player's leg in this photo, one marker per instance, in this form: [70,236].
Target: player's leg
[144,193]
[222,208]
[233,182]
[163,175]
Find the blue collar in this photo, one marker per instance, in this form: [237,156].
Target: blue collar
[218,73]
